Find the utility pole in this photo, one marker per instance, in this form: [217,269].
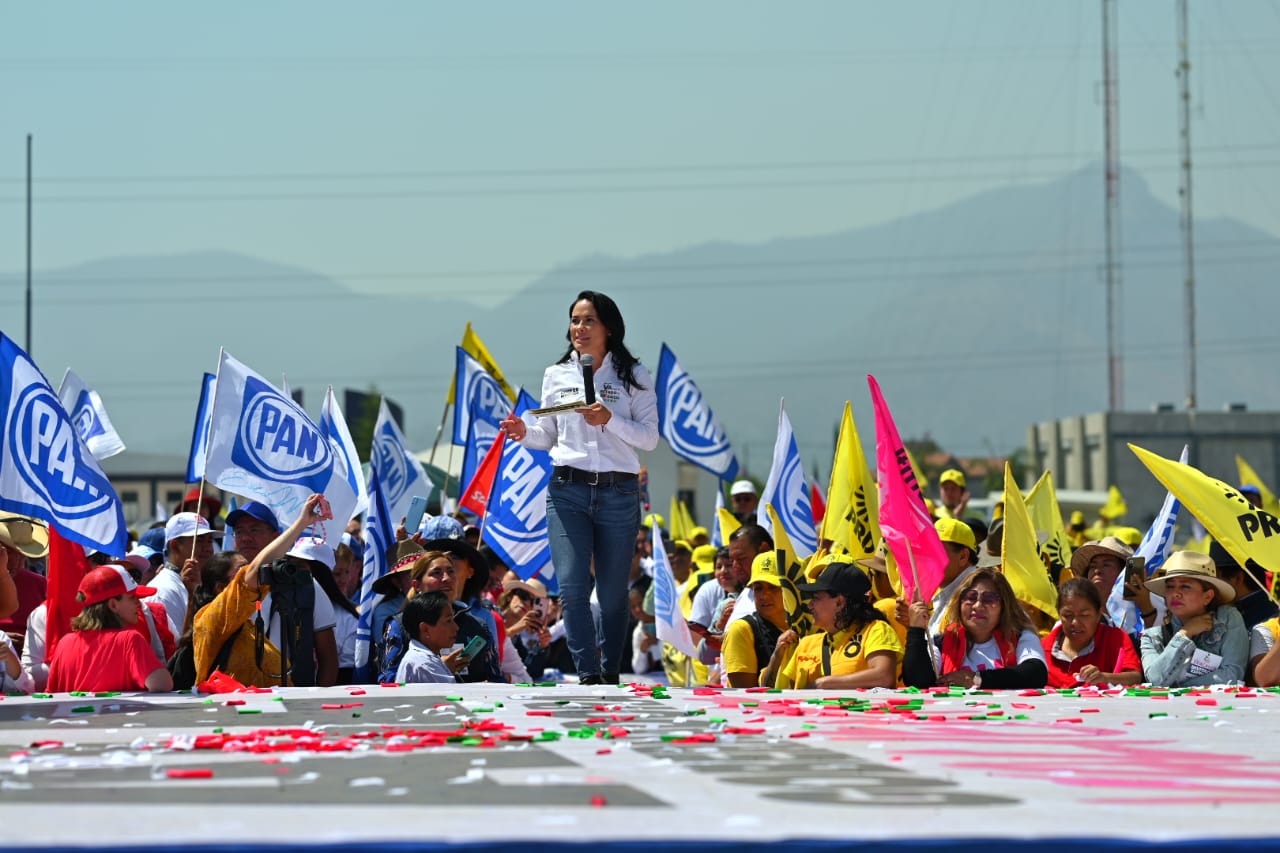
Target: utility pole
[1111,132]
[28,244]
[1184,195]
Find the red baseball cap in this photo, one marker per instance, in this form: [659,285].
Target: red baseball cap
[108,581]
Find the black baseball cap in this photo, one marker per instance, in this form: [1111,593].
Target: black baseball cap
[840,579]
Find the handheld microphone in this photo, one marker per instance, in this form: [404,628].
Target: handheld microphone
[588,379]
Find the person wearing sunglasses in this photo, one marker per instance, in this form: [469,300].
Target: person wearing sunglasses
[986,642]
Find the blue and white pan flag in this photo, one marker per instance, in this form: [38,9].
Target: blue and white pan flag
[89,416]
[788,491]
[400,474]
[668,617]
[516,524]
[378,536]
[717,539]
[46,470]
[346,457]
[479,397]
[264,447]
[1155,547]
[687,422]
[200,431]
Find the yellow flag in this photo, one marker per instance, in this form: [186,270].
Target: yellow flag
[1021,551]
[686,520]
[1249,534]
[1249,477]
[476,349]
[728,524]
[853,511]
[791,576]
[677,529]
[921,479]
[1042,504]
[1115,507]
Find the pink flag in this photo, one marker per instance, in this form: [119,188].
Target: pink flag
[904,520]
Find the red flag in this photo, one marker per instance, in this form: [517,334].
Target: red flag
[818,504]
[475,497]
[67,566]
[905,522]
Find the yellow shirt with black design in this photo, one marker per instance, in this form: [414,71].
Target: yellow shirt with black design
[844,653]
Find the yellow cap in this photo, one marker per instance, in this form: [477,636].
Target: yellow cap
[764,569]
[952,475]
[653,518]
[955,531]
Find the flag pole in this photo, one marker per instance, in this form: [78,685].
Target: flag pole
[212,404]
[444,416]
[911,564]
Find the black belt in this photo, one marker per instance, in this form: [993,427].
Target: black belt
[591,478]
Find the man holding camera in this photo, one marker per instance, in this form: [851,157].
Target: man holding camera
[255,527]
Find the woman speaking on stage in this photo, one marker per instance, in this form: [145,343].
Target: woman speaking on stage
[593,500]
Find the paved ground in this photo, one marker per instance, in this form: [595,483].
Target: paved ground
[707,770]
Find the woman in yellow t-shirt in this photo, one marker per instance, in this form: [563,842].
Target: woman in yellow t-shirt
[856,646]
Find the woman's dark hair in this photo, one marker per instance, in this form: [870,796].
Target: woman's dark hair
[607,310]
[475,585]
[859,613]
[1080,588]
[215,573]
[324,576]
[492,558]
[425,607]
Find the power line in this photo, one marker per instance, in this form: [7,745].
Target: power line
[621,169]
[1009,176]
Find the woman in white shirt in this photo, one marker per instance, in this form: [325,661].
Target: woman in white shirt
[593,500]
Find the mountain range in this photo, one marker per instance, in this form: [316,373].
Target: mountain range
[978,318]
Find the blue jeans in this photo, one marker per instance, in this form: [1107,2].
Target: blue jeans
[594,525]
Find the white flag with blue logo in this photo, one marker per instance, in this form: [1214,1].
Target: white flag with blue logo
[89,416]
[378,537]
[480,406]
[788,491]
[516,525]
[346,457]
[46,470]
[716,538]
[263,446]
[1155,547]
[200,431]
[687,422]
[668,618]
[400,474]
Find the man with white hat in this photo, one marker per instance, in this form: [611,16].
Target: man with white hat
[21,539]
[745,500]
[188,545]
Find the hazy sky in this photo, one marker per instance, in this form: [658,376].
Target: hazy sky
[466,148]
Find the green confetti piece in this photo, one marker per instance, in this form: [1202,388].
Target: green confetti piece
[1021,717]
[808,726]
[106,694]
[695,712]
[483,710]
[453,698]
[1155,714]
[563,701]
[79,693]
[218,730]
[41,695]
[543,737]
[355,713]
[546,684]
[472,741]
[498,705]
[83,709]
[716,719]
[248,710]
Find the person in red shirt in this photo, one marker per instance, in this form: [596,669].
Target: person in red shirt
[105,652]
[1080,649]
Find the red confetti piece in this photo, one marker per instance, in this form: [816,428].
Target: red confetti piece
[234,702]
[539,713]
[798,734]
[1207,701]
[340,706]
[603,751]
[47,744]
[598,800]
[189,773]
[358,691]
[389,684]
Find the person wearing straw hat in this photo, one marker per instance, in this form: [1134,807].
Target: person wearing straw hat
[21,539]
[1203,639]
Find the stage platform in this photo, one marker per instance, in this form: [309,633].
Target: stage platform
[641,768]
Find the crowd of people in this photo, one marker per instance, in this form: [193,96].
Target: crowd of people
[282,606]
